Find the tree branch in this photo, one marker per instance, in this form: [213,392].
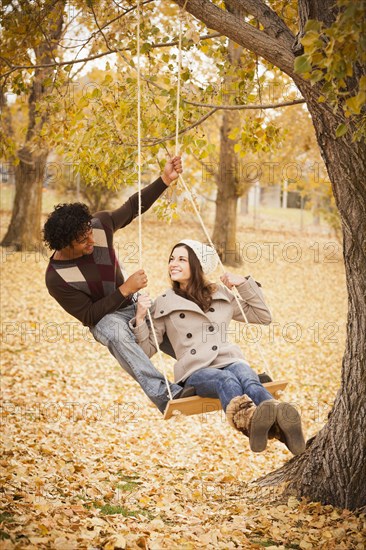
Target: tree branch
[244,34]
[90,4]
[271,22]
[149,142]
[14,68]
[132,8]
[176,42]
[245,107]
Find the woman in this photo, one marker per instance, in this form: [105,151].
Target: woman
[195,315]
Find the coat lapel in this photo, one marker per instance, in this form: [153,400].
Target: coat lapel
[169,301]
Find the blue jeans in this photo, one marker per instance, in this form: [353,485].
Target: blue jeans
[113,331]
[228,382]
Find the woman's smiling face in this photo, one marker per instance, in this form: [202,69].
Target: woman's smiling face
[179,268]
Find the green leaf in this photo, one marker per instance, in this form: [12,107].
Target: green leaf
[96,93]
[107,80]
[310,39]
[355,103]
[316,76]
[84,102]
[234,133]
[146,47]
[341,130]
[47,81]
[302,64]
[313,25]
[362,84]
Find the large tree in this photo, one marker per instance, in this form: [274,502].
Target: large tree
[332,469]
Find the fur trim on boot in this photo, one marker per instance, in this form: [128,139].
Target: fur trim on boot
[239,413]
[254,422]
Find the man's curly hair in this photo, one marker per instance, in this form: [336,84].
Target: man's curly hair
[65,224]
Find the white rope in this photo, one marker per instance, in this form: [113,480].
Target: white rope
[234,290]
[139,135]
[177,111]
[161,361]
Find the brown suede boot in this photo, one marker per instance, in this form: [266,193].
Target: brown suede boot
[287,428]
[254,422]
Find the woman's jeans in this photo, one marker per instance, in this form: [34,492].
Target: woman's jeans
[228,382]
[113,331]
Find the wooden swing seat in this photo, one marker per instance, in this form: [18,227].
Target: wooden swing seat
[201,405]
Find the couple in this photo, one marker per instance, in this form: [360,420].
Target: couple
[85,278]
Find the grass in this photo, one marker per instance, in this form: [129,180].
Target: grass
[268,543]
[112,509]
[263,216]
[7,194]
[129,486]
[5,517]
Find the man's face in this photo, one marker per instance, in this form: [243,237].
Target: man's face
[84,244]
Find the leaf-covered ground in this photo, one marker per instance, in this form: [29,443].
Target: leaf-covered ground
[88,463]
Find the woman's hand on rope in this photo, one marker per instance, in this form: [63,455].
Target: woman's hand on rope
[230,279]
[143,304]
[172,170]
[135,282]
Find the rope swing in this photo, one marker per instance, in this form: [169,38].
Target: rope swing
[160,355]
[196,404]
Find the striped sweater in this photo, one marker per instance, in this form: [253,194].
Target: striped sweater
[87,287]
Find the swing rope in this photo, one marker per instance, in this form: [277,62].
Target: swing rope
[233,290]
[139,160]
[161,360]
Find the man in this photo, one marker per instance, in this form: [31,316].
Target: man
[85,278]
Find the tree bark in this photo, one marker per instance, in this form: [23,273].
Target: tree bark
[274,44]
[333,468]
[228,176]
[24,229]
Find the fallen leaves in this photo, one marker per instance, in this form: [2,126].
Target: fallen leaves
[87,463]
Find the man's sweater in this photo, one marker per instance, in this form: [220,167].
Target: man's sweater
[87,287]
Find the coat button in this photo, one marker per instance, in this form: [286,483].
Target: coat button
[182,315]
[189,335]
[214,348]
[211,309]
[211,328]
[162,311]
[164,295]
[193,351]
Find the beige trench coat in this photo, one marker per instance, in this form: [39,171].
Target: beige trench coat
[202,339]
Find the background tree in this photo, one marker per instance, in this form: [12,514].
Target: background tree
[92,121]
[35,30]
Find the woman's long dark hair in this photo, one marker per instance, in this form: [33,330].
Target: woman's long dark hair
[198,290]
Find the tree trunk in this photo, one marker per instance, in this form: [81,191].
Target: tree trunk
[333,468]
[24,229]
[244,204]
[228,177]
